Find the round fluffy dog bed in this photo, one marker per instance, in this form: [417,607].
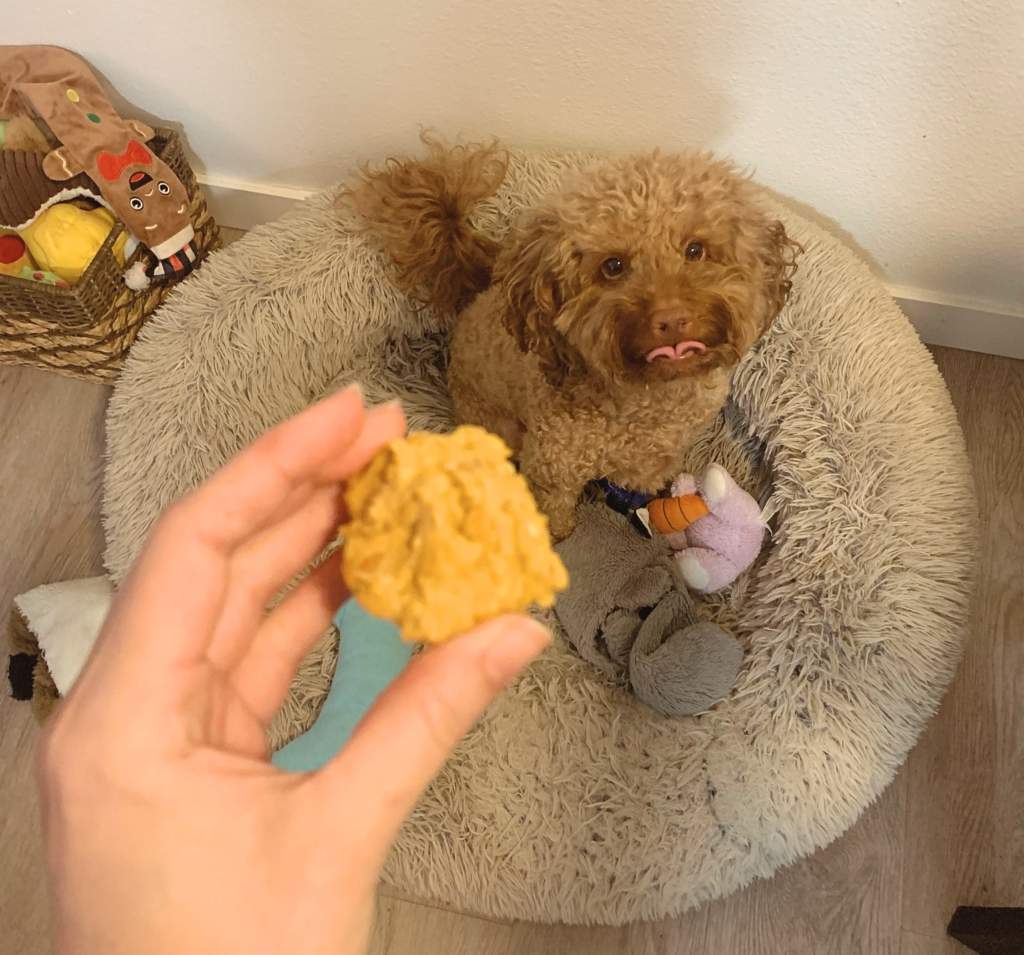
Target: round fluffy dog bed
[570,800]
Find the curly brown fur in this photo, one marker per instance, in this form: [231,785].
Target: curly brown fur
[417,210]
[644,211]
[565,354]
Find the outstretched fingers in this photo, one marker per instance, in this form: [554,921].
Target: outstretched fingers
[176,598]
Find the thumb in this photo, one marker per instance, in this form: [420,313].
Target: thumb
[406,736]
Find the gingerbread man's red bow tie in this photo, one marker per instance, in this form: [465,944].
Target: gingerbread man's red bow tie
[111,166]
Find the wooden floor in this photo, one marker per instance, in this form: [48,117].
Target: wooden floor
[949,831]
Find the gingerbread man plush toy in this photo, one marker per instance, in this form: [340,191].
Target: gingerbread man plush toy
[130,179]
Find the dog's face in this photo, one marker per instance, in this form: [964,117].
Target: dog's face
[645,270]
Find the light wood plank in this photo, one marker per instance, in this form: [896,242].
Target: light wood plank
[843,900]
[529,938]
[407,928]
[683,935]
[381,926]
[51,444]
[965,818]
[679,936]
[24,902]
[914,944]
[51,459]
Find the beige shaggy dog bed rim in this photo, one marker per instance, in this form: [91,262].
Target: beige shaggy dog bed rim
[569,800]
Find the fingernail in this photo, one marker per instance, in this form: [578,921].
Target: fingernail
[389,408]
[356,388]
[514,645]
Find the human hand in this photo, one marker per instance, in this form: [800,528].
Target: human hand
[167,828]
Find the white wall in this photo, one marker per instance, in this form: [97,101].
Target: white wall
[901,121]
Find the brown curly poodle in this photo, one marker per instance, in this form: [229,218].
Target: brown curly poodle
[597,339]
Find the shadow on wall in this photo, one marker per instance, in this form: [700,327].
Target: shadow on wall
[956,162]
[833,228]
[582,92]
[566,74]
[237,140]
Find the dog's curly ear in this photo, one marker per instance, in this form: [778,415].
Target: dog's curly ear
[530,274]
[778,254]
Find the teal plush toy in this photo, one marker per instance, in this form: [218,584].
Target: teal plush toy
[371,653]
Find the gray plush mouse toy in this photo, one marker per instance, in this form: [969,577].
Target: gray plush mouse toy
[627,611]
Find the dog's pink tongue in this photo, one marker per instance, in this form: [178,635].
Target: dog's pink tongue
[677,352]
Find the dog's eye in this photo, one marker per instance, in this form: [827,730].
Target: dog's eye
[165,189]
[136,203]
[694,251]
[612,267]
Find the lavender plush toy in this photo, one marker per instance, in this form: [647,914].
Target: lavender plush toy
[724,533]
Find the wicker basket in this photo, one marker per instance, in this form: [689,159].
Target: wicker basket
[85,331]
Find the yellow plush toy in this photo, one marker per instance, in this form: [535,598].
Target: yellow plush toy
[64,239]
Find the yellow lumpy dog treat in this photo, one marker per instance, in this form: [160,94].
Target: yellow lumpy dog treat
[444,534]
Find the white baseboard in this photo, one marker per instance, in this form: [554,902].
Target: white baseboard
[939,320]
[963,323]
[242,204]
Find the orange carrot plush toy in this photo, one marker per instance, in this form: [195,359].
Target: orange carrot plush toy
[671,514]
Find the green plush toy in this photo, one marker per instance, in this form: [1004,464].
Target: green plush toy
[41,275]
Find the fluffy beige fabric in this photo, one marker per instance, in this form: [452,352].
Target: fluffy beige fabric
[570,800]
